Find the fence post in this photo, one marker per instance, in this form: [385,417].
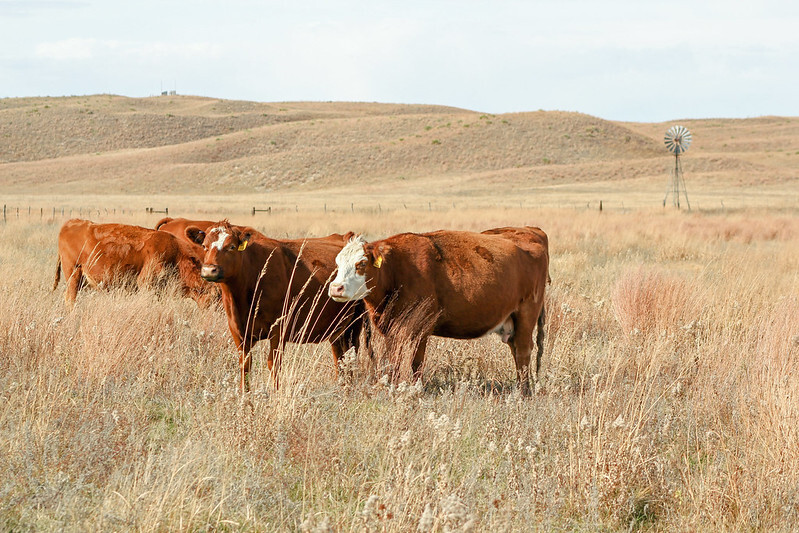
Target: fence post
[253,211]
[352,207]
[4,213]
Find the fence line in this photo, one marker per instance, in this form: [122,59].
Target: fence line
[378,208]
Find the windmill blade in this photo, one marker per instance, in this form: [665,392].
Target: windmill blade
[677,139]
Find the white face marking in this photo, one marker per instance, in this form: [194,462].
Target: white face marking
[347,277]
[222,235]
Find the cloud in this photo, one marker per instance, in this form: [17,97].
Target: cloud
[67,49]
[89,49]
[28,8]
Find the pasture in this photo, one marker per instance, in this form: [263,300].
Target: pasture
[668,401]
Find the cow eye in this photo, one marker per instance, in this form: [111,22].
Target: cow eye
[360,267]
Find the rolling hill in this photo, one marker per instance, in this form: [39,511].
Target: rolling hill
[106,144]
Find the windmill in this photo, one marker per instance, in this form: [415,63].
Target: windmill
[677,140]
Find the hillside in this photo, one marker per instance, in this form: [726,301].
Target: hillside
[185,144]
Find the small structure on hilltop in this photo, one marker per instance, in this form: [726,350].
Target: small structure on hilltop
[677,140]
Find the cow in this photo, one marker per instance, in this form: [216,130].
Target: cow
[104,255]
[177,227]
[471,284]
[276,289]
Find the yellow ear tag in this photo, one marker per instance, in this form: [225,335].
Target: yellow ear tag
[243,246]
[378,262]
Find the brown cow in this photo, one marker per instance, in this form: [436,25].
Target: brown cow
[275,289]
[178,226]
[472,283]
[112,254]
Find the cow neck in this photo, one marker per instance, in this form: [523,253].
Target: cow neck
[256,256]
[382,292]
[189,271]
[238,292]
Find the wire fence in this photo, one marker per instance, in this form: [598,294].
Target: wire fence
[52,214]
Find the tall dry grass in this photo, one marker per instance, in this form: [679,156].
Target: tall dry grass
[668,398]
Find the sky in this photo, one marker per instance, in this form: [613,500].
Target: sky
[626,60]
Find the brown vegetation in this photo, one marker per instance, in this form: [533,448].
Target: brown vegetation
[667,399]
[669,380]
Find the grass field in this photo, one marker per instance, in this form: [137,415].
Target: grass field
[668,401]
[669,393]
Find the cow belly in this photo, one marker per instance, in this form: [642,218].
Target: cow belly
[459,331]
[472,325]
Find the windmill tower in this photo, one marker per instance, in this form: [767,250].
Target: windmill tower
[677,140]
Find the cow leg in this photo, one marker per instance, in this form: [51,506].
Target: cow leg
[338,348]
[273,363]
[245,360]
[368,345]
[522,349]
[418,358]
[73,286]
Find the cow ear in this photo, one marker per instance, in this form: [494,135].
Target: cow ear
[380,254]
[195,234]
[347,236]
[244,240]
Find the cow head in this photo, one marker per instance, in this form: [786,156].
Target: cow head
[195,235]
[224,247]
[358,266]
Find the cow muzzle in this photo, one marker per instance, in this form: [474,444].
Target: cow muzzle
[211,272]
[336,292]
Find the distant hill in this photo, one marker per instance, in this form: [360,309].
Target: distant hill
[187,144]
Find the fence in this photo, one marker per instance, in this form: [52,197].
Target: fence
[17,212]
[80,212]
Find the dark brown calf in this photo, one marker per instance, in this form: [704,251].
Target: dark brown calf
[276,289]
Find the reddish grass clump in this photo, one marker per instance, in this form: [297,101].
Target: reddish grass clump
[650,301]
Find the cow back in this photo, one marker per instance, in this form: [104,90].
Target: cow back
[472,281]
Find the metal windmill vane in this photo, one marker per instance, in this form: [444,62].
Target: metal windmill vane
[677,140]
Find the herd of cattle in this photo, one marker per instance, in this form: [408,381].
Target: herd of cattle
[330,288]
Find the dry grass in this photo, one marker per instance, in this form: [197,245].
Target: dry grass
[668,399]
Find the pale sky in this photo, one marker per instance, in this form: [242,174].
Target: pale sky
[635,60]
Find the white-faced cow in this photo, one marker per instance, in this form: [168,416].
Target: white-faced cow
[113,254]
[472,283]
[276,289]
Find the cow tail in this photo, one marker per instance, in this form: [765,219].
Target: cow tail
[57,272]
[539,339]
